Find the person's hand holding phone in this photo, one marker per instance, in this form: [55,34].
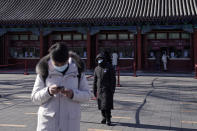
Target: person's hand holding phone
[54,89]
[60,88]
[68,93]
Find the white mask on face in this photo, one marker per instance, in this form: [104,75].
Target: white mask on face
[100,61]
[60,68]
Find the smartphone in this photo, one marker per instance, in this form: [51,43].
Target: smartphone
[60,87]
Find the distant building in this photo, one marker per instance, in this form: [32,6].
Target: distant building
[136,29]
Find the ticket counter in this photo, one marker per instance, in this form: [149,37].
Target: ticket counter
[120,42]
[23,47]
[74,41]
[177,46]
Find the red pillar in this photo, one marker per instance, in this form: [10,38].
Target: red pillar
[3,50]
[146,52]
[192,51]
[135,54]
[97,45]
[88,50]
[6,53]
[41,45]
[139,50]
[195,51]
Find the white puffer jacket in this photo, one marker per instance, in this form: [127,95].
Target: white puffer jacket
[59,113]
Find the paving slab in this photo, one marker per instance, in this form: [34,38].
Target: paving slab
[144,103]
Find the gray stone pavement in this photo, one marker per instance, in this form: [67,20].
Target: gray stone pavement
[144,103]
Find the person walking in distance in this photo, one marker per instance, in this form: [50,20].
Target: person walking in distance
[164,60]
[59,88]
[114,59]
[104,87]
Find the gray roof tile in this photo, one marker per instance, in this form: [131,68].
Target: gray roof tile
[90,11]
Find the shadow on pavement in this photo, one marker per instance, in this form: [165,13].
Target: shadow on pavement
[145,126]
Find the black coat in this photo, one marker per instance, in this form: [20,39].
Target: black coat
[104,86]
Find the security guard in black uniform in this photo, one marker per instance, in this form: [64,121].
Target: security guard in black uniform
[104,87]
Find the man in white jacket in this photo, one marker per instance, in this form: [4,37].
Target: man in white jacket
[164,60]
[114,59]
[59,90]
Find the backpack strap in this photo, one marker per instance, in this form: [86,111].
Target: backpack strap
[79,78]
[80,65]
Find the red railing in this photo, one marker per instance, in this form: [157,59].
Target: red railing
[15,65]
[88,77]
[26,67]
[195,71]
[125,68]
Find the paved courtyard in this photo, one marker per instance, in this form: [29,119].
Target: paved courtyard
[144,103]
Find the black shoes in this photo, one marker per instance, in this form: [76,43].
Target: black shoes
[103,121]
[108,122]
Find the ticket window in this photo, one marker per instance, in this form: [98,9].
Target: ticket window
[81,51]
[172,51]
[118,42]
[126,52]
[24,52]
[153,51]
[110,50]
[186,52]
[24,46]
[152,54]
[74,42]
[183,52]
[179,52]
[79,46]
[123,51]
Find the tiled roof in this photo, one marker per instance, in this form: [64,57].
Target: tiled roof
[96,11]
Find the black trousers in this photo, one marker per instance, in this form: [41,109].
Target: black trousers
[106,114]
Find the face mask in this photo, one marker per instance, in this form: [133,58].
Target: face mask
[100,61]
[60,68]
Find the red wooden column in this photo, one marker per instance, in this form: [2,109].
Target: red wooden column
[6,53]
[3,50]
[135,55]
[195,51]
[88,50]
[41,45]
[191,51]
[97,45]
[139,50]
[146,51]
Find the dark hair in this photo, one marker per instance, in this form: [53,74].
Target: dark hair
[58,52]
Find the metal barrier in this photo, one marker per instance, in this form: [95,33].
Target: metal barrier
[125,68]
[195,71]
[118,73]
[90,76]
[134,69]
[26,67]
[14,65]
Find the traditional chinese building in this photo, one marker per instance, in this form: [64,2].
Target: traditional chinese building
[139,31]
